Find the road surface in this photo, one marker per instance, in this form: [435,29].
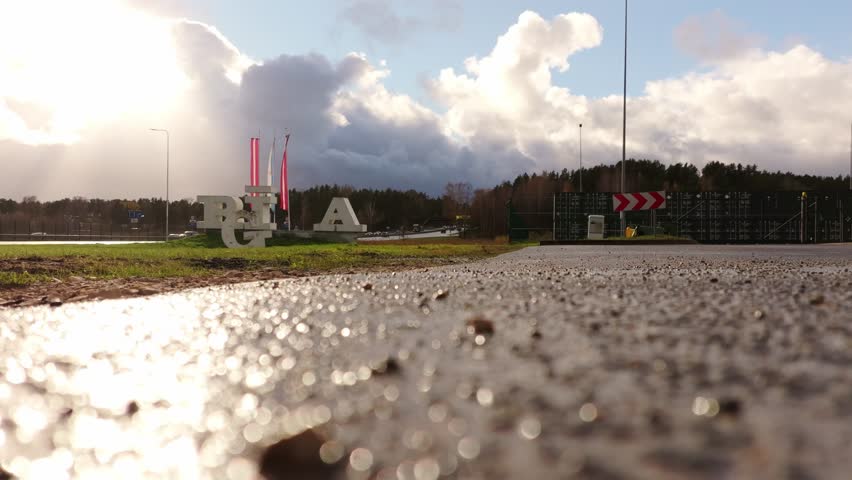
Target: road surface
[412,236]
[681,362]
[78,242]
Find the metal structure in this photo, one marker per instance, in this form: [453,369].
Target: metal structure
[718,217]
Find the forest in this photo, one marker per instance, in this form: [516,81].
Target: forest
[484,209]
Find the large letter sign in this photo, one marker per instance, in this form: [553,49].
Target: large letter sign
[340,217]
[227,214]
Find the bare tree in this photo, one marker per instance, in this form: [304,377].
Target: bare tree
[457,199]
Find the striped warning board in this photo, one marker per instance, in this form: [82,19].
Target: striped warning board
[629,202]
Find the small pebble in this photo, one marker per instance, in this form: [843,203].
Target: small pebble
[730,406]
[300,456]
[389,366]
[480,326]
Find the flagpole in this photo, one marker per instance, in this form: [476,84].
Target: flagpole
[269,175]
[287,192]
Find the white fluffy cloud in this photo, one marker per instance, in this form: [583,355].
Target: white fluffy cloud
[785,110]
[75,112]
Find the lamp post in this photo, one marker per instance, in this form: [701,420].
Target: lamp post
[167,177]
[581,158]
[624,120]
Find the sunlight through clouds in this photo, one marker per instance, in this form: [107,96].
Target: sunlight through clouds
[79,64]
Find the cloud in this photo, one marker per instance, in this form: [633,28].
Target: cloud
[786,110]
[780,110]
[505,94]
[502,115]
[714,37]
[379,20]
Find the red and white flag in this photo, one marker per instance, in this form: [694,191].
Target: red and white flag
[255,162]
[284,196]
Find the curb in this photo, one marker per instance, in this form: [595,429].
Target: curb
[551,243]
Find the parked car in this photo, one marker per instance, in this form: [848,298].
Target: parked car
[38,234]
[176,236]
[190,233]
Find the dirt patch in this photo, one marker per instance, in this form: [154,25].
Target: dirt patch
[222,263]
[33,265]
[77,289]
[56,281]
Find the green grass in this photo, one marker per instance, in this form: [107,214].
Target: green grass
[22,265]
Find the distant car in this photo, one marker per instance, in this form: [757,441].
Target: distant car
[38,234]
[190,233]
[176,236]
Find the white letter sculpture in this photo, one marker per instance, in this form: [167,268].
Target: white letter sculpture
[340,218]
[226,213]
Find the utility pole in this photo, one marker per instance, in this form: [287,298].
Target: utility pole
[581,158]
[624,121]
[167,177]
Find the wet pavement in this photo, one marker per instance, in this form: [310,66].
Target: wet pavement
[679,362]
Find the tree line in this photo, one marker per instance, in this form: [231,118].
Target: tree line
[71,213]
[485,209]
[532,194]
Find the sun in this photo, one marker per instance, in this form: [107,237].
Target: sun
[79,64]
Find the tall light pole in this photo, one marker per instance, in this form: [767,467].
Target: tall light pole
[581,158]
[624,121]
[167,177]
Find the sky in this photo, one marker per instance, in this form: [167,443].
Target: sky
[409,94]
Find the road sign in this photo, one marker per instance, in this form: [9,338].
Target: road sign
[628,202]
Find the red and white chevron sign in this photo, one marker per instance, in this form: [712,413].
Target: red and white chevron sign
[628,202]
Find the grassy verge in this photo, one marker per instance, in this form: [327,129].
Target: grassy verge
[22,265]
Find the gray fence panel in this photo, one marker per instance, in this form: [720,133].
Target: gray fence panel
[718,217]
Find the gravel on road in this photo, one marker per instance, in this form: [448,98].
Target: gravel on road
[676,362]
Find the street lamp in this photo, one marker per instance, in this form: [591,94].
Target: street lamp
[167,177]
[624,120]
[581,158]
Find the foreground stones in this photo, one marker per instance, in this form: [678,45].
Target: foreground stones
[578,362]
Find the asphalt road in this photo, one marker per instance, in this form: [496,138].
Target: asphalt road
[682,362]
[411,236]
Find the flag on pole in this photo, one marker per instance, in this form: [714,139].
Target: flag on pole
[284,197]
[255,167]
[269,164]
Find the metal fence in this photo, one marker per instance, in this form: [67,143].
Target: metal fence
[718,217]
[40,230]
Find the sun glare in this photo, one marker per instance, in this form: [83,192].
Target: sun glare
[83,63]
